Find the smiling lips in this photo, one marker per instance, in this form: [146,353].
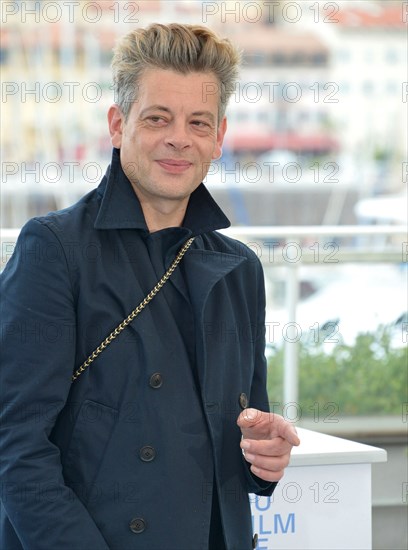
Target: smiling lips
[174,166]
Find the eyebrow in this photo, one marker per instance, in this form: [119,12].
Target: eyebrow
[207,114]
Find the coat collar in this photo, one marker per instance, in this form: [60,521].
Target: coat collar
[120,208]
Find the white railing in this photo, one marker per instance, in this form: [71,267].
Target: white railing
[392,247]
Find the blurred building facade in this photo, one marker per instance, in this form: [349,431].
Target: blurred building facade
[324,82]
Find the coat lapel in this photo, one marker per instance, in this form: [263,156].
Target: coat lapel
[204,269]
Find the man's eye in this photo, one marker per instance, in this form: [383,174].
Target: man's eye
[200,123]
[156,120]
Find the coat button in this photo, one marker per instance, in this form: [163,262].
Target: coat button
[147,453]
[156,380]
[137,525]
[243,401]
[211,407]
[255,541]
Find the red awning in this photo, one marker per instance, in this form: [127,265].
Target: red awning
[291,142]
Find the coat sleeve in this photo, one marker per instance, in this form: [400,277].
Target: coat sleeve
[259,396]
[37,361]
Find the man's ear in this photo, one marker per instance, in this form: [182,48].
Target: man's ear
[222,128]
[115,121]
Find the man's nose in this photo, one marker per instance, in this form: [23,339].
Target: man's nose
[178,135]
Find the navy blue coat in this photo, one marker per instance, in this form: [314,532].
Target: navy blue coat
[125,457]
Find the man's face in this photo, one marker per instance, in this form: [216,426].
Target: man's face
[171,135]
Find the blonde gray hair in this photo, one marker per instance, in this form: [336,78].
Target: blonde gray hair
[181,48]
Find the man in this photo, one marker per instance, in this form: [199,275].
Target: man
[156,443]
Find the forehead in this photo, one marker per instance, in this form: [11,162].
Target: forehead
[196,90]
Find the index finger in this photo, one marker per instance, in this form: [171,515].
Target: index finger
[284,429]
[290,434]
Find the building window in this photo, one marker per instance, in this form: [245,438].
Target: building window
[392,87]
[368,87]
[298,58]
[242,116]
[3,56]
[391,56]
[319,59]
[278,58]
[344,56]
[255,58]
[369,56]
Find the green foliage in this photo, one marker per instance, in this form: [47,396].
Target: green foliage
[369,378]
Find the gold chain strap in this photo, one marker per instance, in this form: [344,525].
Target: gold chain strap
[103,345]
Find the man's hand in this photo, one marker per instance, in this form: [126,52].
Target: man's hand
[267,442]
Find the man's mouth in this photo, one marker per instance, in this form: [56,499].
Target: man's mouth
[174,166]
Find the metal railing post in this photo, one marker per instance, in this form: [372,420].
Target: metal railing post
[291,336]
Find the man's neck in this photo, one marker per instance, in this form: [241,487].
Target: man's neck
[161,216]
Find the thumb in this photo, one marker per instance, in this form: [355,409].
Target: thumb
[249,418]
